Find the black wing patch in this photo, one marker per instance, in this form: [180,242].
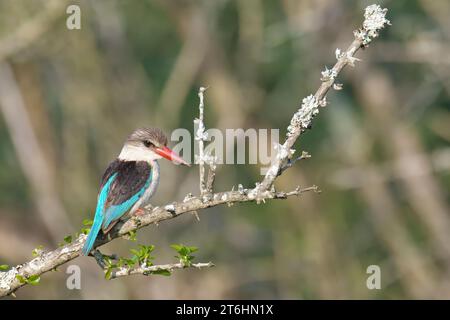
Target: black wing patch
[131,177]
[112,168]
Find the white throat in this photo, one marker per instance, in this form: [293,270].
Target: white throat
[134,153]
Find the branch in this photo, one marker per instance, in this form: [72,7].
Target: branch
[300,122]
[146,270]
[201,136]
[375,20]
[48,261]
[32,30]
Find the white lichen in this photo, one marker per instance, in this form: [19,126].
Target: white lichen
[188,197]
[64,250]
[200,134]
[254,192]
[338,53]
[303,117]
[328,74]
[6,278]
[375,20]
[282,151]
[170,207]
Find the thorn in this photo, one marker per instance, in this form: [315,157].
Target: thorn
[195,213]
[337,86]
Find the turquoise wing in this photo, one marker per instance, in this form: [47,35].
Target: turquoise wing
[124,193]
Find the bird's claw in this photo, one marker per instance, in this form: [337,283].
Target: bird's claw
[139,212]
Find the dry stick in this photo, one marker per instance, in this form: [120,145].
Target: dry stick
[206,181]
[211,178]
[374,21]
[200,136]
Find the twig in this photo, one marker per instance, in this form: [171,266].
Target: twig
[201,136]
[145,270]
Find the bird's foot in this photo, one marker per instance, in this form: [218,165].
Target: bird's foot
[139,212]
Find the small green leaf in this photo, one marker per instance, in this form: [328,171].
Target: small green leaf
[192,249]
[85,230]
[135,252]
[132,236]
[184,253]
[34,279]
[4,267]
[21,279]
[37,251]
[177,247]
[107,261]
[68,239]
[108,274]
[88,222]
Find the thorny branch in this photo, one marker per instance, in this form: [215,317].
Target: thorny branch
[375,20]
[146,270]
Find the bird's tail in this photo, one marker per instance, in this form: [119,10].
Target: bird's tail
[92,235]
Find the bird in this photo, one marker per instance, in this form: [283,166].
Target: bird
[130,180]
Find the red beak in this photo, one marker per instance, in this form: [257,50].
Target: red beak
[170,155]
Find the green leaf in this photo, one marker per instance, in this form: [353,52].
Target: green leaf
[184,253]
[177,247]
[108,274]
[192,249]
[88,222]
[34,279]
[37,251]
[165,273]
[68,239]
[132,236]
[21,279]
[107,261]
[4,267]
[135,252]
[85,230]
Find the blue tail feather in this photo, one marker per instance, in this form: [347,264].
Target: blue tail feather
[98,218]
[92,235]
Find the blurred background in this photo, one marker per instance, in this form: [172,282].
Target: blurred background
[380,150]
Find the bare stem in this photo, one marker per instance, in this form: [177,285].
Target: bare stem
[201,137]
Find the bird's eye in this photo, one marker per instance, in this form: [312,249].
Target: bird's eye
[148,143]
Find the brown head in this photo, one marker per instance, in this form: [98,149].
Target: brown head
[148,144]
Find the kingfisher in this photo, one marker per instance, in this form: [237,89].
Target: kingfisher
[130,180]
